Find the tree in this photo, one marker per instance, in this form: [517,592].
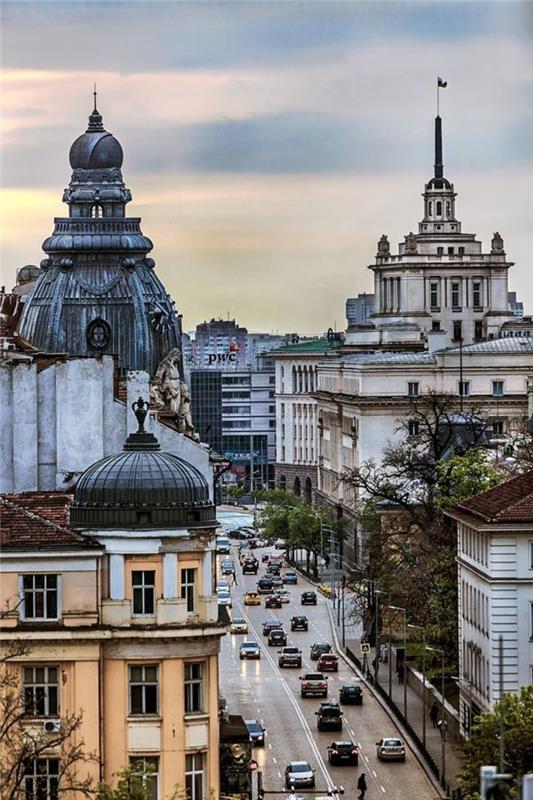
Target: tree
[133,783]
[483,747]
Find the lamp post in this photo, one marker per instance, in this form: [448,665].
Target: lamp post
[442,717]
[373,582]
[420,628]
[343,612]
[468,680]
[404,614]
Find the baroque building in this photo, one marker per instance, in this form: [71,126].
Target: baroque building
[97,292]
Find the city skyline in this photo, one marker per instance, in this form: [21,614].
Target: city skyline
[277,168]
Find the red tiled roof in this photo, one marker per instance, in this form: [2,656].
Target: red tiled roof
[511,501]
[38,520]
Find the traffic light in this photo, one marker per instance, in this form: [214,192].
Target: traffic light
[494,786]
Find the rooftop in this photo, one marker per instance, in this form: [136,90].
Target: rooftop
[311,346]
[511,501]
[38,521]
[379,357]
[508,344]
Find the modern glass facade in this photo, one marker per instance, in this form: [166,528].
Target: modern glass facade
[206,406]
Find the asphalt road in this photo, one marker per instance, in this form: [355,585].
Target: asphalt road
[261,690]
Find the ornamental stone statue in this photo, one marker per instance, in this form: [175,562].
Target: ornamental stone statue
[169,392]
[383,246]
[410,244]
[497,245]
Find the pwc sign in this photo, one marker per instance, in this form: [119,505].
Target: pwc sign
[220,359]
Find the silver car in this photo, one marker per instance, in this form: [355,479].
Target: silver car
[390,749]
[299,774]
[224,598]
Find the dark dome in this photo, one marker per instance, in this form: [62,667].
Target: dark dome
[96,150]
[142,487]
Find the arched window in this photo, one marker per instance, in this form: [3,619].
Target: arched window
[439,208]
[283,483]
[306,380]
[448,209]
[308,491]
[297,487]
[430,208]
[294,387]
[97,211]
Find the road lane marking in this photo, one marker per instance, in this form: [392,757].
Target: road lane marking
[274,759]
[382,788]
[374,774]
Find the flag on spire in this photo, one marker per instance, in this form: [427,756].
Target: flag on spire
[441,83]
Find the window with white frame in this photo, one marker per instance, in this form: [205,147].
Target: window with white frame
[41,691]
[195,776]
[498,427]
[40,597]
[143,591]
[194,686]
[413,389]
[455,294]
[147,769]
[434,295]
[464,388]
[497,388]
[41,779]
[476,294]
[143,684]
[188,588]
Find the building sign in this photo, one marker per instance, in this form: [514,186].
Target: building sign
[221,359]
[365,648]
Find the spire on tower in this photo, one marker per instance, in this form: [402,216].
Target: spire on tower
[95,119]
[94,95]
[439,167]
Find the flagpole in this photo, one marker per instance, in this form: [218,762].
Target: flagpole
[438,109]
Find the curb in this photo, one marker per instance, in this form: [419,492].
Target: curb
[436,785]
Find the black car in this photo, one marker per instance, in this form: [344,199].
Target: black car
[329,717]
[318,649]
[272,625]
[351,695]
[265,557]
[277,638]
[250,567]
[264,585]
[343,753]
[308,599]
[299,623]
[273,569]
[256,731]
[273,601]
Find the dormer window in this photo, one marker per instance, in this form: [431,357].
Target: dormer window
[439,208]
[97,211]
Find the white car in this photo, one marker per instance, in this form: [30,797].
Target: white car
[223,586]
[224,599]
[299,774]
[238,625]
[280,544]
[390,749]
[284,595]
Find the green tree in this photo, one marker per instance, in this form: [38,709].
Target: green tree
[461,476]
[483,747]
[133,784]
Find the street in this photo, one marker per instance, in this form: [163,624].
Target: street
[261,690]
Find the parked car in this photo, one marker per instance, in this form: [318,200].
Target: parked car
[249,650]
[329,717]
[313,684]
[238,625]
[390,749]
[290,578]
[308,599]
[352,694]
[299,623]
[299,774]
[318,649]
[277,638]
[256,731]
[252,599]
[290,657]
[264,585]
[273,601]
[272,625]
[340,753]
[328,662]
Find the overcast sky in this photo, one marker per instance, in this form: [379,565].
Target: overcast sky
[268,145]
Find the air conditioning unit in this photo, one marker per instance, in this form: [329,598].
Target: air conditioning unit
[52,725]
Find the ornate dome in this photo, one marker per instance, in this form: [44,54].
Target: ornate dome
[142,487]
[96,148]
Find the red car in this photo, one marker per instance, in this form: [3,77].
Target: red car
[328,662]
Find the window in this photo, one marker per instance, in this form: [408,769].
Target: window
[194,678]
[435,325]
[448,209]
[434,295]
[97,211]
[464,388]
[451,251]
[143,689]
[412,389]
[147,768]
[41,780]
[40,596]
[237,423]
[497,427]
[478,330]
[476,294]
[430,208]
[194,776]
[530,555]
[497,388]
[41,691]
[272,423]
[272,395]
[440,251]
[461,251]
[413,427]
[438,206]
[272,379]
[272,409]
[455,295]
[188,581]
[143,591]
[457,331]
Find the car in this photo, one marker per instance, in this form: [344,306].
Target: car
[256,731]
[250,567]
[227,567]
[340,753]
[390,749]
[308,599]
[223,585]
[299,623]
[224,599]
[264,585]
[290,578]
[277,582]
[313,683]
[238,625]
[272,625]
[244,554]
[249,650]
[252,599]
[290,657]
[318,649]
[299,774]
[273,569]
[277,638]
[329,717]
[284,595]
[352,694]
[275,559]
[222,545]
[273,601]
[328,662]
[264,558]
[280,544]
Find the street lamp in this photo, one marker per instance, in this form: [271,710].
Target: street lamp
[442,716]
[404,614]
[470,682]
[420,628]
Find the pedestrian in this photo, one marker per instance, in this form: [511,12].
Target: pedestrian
[361,786]
[233,578]
[434,713]
[442,725]
[400,671]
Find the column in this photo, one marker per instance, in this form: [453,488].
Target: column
[116,576]
[399,294]
[207,573]
[170,576]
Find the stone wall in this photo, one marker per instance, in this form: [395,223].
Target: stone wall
[293,471]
